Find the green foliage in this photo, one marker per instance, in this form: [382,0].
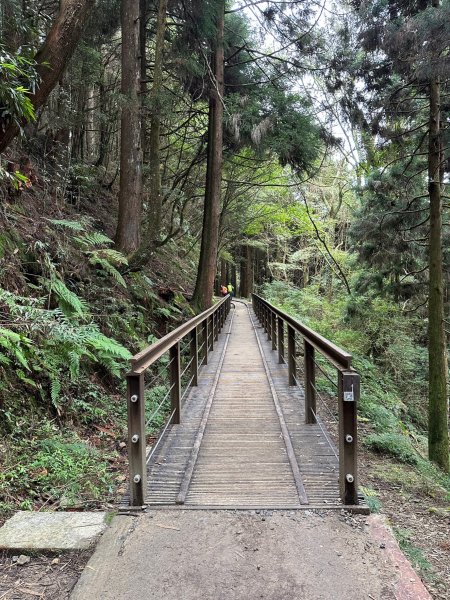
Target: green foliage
[56,343]
[52,469]
[17,77]
[414,554]
[392,444]
[92,243]
[371,498]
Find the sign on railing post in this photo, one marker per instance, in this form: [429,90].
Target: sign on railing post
[292,366]
[136,439]
[310,383]
[175,382]
[348,396]
[280,340]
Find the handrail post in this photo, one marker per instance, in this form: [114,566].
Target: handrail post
[274,331]
[205,341]
[269,324]
[310,383]
[136,439]
[292,366]
[280,340]
[216,325]
[348,396]
[175,382]
[211,330]
[194,356]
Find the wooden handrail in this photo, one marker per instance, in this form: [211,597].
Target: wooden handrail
[336,355]
[141,361]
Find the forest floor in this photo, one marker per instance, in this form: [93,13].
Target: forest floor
[50,576]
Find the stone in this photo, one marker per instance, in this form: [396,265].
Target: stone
[28,530]
[23,560]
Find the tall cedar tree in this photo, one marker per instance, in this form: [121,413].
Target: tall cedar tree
[206,273]
[128,232]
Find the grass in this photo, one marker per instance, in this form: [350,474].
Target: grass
[415,554]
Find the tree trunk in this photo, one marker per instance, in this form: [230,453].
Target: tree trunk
[243,283]
[202,298]
[155,203]
[53,57]
[223,273]
[250,270]
[130,193]
[438,442]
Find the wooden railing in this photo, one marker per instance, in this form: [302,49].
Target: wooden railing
[199,335]
[293,340]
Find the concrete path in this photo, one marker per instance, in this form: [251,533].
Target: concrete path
[226,555]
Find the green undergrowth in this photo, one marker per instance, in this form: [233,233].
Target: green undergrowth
[414,554]
[52,468]
[389,354]
[71,316]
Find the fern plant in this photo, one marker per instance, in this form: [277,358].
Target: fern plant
[52,344]
[95,245]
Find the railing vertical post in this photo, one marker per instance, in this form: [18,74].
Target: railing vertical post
[310,383]
[269,324]
[175,382]
[194,356]
[211,329]
[216,325]
[348,396]
[292,365]
[280,340]
[136,439]
[205,341]
[274,331]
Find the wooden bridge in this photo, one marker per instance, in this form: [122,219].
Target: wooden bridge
[243,387]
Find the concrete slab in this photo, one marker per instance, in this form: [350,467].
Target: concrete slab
[51,530]
[221,555]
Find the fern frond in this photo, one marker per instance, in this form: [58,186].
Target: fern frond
[74,363]
[72,225]
[108,268]
[94,238]
[55,389]
[69,302]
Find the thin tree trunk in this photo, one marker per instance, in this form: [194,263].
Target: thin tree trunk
[250,270]
[202,298]
[438,442]
[130,193]
[53,57]
[243,284]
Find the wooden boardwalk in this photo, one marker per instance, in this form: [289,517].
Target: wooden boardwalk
[242,441]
